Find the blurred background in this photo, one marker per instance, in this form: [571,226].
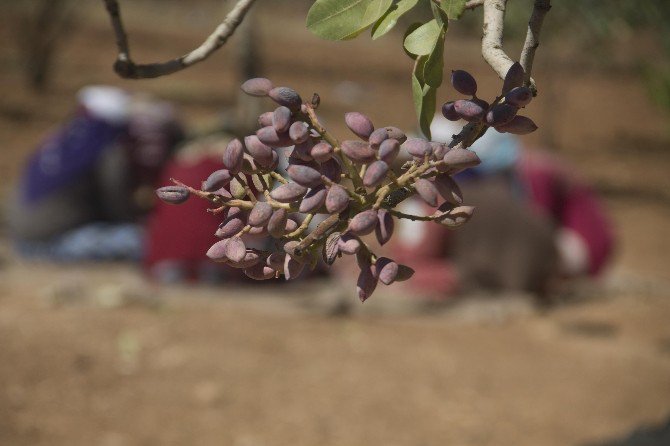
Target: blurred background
[140,352]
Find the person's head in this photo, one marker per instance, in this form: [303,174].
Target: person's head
[104,102]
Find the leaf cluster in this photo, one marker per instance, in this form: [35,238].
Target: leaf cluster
[423,41]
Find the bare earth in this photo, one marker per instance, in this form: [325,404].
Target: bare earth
[94,355]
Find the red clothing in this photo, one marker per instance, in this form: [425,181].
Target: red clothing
[183,232]
[569,202]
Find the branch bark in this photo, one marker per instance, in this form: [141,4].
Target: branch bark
[492,37]
[532,41]
[126,68]
[472,4]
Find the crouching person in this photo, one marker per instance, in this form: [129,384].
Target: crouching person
[535,225]
[84,191]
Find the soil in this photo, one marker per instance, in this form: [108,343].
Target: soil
[93,354]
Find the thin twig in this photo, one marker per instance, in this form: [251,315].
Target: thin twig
[330,139]
[277,176]
[275,204]
[540,9]
[126,68]
[303,226]
[321,231]
[399,214]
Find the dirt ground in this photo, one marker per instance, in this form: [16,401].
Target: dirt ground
[94,354]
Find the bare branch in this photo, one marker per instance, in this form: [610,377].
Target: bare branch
[540,9]
[472,4]
[492,37]
[126,68]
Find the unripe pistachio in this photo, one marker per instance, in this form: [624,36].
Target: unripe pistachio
[386,270]
[384,228]
[260,152]
[513,78]
[359,124]
[313,200]
[304,175]
[217,180]
[463,82]
[235,249]
[469,110]
[449,111]
[217,251]
[375,174]
[258,86]
[251,258]
[377,137]
[448,188]
[388,150]
[298,132]
[270,137]
[427,191]
[173,194]
[520,125]
[289,192]
[358,151]
[233,156]
[277,222]
[366,283]
[458,159]
[519,96]
[287,97]
[260,214]
[348,244]
[322,152]
[500,114]
[281,119]
[363,223]
[337,199]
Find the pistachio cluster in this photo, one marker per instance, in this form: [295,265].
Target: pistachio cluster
[351,186]
[502,114]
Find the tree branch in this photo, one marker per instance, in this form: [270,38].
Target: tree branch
[472,4]
[492,39]
[126,68]
[540,9]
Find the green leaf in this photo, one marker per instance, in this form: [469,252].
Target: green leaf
[433,68]
[439,14]
[422,40]
[417,94]
[389,20]
[410,29]
[425,98]
[344,19]
[453,8]
[428,110]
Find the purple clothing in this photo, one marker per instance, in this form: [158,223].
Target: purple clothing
[64,158]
